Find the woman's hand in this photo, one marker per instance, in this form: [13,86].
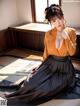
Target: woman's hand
[34,70]
[65,35]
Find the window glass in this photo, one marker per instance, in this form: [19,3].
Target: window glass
[40,6]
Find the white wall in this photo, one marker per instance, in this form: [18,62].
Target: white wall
[8,13]
[13,12]
[72,12]
[24,11]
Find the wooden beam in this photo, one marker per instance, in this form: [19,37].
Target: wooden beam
[60,2]
[33,10]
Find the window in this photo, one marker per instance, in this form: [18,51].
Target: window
[38,7]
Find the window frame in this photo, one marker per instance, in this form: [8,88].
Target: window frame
[33,10]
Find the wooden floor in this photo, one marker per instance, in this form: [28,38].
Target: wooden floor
[69,99]
[62,103]
[14,54]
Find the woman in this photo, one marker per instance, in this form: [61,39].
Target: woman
[56,72]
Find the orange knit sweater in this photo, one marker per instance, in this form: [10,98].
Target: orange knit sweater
[67,48]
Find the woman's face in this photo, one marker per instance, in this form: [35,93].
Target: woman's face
[59,24]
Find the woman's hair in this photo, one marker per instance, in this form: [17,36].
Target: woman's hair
[53,11]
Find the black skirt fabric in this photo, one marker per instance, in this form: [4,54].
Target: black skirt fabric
[54,74]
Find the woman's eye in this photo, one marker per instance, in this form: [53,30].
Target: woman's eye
[54,20]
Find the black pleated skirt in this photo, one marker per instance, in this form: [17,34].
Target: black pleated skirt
[53,75]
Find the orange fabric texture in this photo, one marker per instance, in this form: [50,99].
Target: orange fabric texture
[67,48]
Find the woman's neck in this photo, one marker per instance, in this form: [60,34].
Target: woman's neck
[59,34]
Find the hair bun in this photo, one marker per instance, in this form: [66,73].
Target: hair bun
[52,11]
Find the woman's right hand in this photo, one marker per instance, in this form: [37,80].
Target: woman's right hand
[34,71]
[65,35]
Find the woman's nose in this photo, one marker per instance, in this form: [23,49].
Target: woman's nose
[59,22]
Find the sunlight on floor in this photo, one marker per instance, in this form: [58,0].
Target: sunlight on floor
[18,70]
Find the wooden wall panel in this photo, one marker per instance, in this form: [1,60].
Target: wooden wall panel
[12,38]
[4,40]
[29,39]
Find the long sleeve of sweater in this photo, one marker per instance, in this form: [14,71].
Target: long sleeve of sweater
[45,54]
[71,43]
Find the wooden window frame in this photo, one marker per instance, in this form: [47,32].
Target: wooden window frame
[33,10]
